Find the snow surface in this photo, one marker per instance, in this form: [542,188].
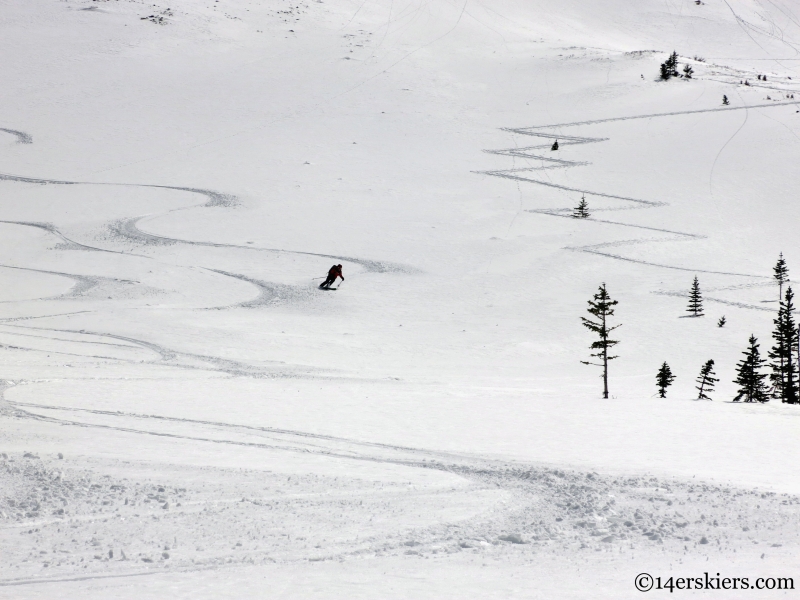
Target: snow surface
[173,177]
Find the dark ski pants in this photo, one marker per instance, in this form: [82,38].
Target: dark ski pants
[328,282]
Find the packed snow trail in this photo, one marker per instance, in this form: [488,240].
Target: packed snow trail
[523,130]
[638,203]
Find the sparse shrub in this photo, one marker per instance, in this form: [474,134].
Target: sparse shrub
[706,381]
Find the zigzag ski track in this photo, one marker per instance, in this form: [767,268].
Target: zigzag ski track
[540,131]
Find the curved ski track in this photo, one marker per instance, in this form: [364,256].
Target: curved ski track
[565,513]
[22,137]
[549,507]
[129,229]
[529,152]
[269,293]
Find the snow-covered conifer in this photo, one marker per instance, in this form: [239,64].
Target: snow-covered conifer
[664,379]
[781,273]
[601,307]
[582,210]
[784,376]
[749,377]
[706,381]
[695,299]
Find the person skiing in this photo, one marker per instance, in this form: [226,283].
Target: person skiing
[335,271]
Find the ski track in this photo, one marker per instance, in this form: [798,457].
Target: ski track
[239,427]
[22,137]
[650,116]
[182,360]
[638,203]
[129,229]
[568,512]
[83,283]
[269,293]
[524,510]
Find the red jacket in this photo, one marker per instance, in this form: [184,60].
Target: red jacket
[336,271]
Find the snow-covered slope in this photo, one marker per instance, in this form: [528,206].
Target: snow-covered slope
[174,177]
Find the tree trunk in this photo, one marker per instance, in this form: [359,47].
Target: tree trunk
[605,360]
[798,352]
[790,392]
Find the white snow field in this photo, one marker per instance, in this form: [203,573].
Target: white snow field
[185,415]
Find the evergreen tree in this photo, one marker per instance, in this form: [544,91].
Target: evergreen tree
[582,210]
[725,100]
[554,147]
[669,68]
[664,379]
[688,71]
[706,380]
[601,307]
[781,274]
[749,377]
[672,61]
[784,376]
[722,321]
[695,299]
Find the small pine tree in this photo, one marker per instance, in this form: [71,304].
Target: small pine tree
[554,147]
[722,321]
[601,307]
[749,377]
[706,381]
[784,376]
[673,63]
[695,299]
[664,379]
[725,100]
[781,274]
[582,210]
[669,68]
[688,71]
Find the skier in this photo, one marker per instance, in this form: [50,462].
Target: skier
[335,271]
